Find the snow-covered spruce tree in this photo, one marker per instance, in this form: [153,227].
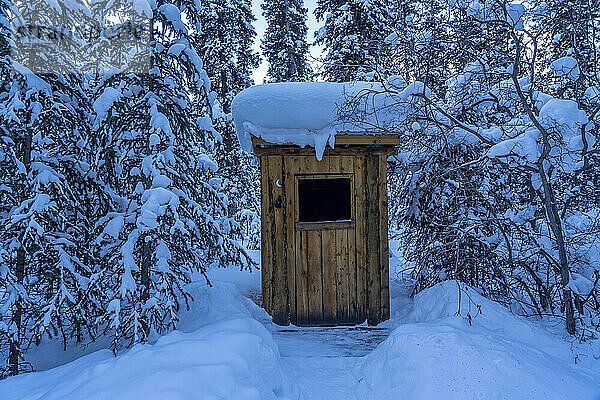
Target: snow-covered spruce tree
[44,266]
[10,344]
[418,47]
[240,178]
[434,38]
[224,40]
[168,217]
[284,44]
[352,36]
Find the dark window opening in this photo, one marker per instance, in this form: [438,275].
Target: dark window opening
[324,200]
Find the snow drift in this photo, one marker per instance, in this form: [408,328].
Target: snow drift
[437,354]
[221,352]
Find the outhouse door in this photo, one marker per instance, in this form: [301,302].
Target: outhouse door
[324,239]
[324,211]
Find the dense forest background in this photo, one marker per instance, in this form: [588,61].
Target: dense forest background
[117,188]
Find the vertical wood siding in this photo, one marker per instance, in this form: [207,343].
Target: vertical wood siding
[327,275]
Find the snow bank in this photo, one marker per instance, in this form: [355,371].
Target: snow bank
[248,282]
[310,113]
[221,352]
[437,354]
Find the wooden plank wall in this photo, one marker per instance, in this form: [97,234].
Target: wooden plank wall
[265,235]
[376,233]
[325,276]
[273,243]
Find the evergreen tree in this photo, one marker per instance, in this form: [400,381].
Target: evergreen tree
[353,34]
[418,47]
[43,179]
[284,43]
[224,43]
[168,215]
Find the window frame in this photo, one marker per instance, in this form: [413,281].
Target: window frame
[324,225]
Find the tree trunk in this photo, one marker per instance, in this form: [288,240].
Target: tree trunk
[549,200]
[557,230]
[145,281]
[14,352]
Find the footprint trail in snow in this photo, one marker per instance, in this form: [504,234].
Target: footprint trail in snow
[322,359]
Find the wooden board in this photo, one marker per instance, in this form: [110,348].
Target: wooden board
[310,152]
[352,314]
[383,240]
[290,237]
[265,236]
[328,257]
[315,277]
[329,279]
[373,244]
[360,242]
[302,279]
[279,306]
[348,259]
[393,140]
[311,226]
[343,275]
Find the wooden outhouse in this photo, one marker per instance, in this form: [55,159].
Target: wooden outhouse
[324,220]
[324,236]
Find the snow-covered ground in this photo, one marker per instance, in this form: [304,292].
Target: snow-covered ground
[436,353]
[227,348]
[220,352]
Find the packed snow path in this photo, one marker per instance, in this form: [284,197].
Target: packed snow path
[322,360]
[328,342]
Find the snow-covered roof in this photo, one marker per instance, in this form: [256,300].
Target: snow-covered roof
[311,113]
